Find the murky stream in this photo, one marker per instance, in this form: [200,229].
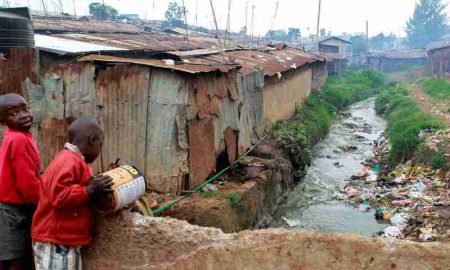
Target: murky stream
[336,159]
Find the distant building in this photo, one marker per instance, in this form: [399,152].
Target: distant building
[392,61]
[334,49]
[129,16]
[438,54]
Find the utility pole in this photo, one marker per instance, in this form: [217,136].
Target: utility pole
[318,26]
[246,20]
[367,34]
[74,9]
[185,22]
[274,15]
[153,10]
[227,31]
[217,31]
[252,23]
[104,10]
[196,14]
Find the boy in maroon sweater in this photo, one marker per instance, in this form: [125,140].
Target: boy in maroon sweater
[63,220]
[19,182]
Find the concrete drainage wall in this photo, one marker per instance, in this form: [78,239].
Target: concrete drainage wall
[130,241]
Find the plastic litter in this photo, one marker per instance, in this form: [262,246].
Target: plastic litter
[351,191]
[392,232]
[291,223]
[426,234]
[420,186]
[376,168]
[400,179]
[402,202]
[372,177]
[399,220]
[364,206]
[380,212]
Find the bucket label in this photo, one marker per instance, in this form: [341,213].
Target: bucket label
[129,192]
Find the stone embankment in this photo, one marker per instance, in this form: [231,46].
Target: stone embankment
[131,241]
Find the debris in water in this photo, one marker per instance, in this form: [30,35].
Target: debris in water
[291,223]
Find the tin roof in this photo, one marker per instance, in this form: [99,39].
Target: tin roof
[193,66]
[438,45]
[334,37]
[155,41]
[406,54]
[65,46]
[58,25]
[271,62]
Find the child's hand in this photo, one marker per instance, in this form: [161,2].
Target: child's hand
[99,184]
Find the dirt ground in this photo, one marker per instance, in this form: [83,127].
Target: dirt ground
[427,104]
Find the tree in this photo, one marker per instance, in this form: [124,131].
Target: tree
[428,23]
[359,44]
[323,32]
[382,42]
[175,14]
[293,34]
[276,35]
[102,12]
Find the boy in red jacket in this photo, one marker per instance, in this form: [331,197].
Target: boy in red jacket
[19,182]
[63,220]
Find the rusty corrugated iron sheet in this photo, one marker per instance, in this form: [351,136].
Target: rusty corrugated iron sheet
[79,88]
[51,135]
[202,154]
[193,67]
[44,25]
[166,142]
[122,102]
[15,67]
[155,41]
[271,61]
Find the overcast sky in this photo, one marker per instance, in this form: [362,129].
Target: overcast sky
[338,16]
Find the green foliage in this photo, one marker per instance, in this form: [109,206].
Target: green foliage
[314,118]
[405,122]
[209,194]
[437,88]
[427,156]
[277,35]
[359,44]
[293,34]
[429,23]
[235,199]
[174,14]
[102,12]
[383,42]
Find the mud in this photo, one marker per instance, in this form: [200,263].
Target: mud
[130,241]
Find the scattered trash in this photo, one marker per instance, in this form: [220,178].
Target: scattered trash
[364,206]
[402,202]
[399,220]
[376,168]
[291,223]
[392,232]
[372,177]
[351,191]
[426,234]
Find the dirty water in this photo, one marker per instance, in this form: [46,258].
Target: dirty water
[337,157]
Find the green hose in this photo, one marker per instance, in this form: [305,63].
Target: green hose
[210,180]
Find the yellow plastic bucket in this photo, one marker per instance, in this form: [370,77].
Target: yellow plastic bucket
[129,185]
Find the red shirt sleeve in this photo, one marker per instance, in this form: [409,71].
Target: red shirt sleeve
[25,172]
[65,190]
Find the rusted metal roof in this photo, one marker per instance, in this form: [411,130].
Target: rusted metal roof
[407,54]
[438,45]
[58,25]
[271,62]
[158,42]
[193,66]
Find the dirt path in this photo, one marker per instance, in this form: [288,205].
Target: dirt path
[426,104]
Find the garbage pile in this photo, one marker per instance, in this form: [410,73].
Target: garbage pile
[413,201]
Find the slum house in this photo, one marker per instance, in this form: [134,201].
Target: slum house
[334,49]
[438,55]
[180,119]
[177,119]
[392,61]
[289,76]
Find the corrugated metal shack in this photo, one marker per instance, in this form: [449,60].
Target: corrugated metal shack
[438,54]
[178,115]
[391,61]
[334,49]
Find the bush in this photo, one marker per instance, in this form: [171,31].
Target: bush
[405,122]
[427,156]
[436,88]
